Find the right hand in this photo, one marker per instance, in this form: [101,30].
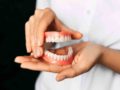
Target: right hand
[41,21]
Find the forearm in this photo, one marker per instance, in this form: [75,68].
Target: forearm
[111,59]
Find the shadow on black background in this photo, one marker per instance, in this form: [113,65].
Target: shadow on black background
[13,15]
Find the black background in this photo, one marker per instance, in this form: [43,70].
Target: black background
[13,15]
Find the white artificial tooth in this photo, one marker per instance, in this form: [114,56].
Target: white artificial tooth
[59,39]
[62,39]
[46,52]
[54,57]
[56,39]
[67,57]
[65,38]
[49,39]
[61,57]
[69,38]
[64,57]
[52,39]
[70,49]
[57,57]
[46,39]
[49,54]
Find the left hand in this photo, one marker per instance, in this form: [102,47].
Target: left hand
[86,56]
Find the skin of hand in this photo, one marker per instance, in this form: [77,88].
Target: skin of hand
[43,20]
[86,56]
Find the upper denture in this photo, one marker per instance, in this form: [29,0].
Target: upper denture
[57,37]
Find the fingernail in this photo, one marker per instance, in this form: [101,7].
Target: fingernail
[37,53]
[60,78]
[17,60]
[22,66]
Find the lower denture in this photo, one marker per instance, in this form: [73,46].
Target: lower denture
[59,62]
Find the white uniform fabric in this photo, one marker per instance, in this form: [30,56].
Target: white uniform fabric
[99,21]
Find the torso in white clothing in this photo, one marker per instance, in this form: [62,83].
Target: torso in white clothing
[99,21]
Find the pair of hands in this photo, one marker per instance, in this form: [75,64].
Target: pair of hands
[86,54]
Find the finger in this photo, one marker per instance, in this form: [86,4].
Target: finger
[60,26]
[46,19]
[74,34]
[76,58]
[27,37]
[68,73]
[38,17]
[21,59]
[32,32]
[38,52]
[40,66]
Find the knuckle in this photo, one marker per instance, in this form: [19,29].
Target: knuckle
[38,12]
[26,24]
[31,18]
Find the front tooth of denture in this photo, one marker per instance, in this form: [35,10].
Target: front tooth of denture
[61,39]
[57,57]
[61,57]
[54,57]
[66,39]
[56,39]
[52,39]
[64,57]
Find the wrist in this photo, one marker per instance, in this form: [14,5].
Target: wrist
[103,51]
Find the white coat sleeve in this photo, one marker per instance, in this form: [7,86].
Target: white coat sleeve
[41,4]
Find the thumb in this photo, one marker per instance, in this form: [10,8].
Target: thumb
[67,73]
[74,34]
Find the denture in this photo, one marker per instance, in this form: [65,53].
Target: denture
[62,56]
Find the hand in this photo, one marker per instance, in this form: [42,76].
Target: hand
[86,56]
[40,22]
